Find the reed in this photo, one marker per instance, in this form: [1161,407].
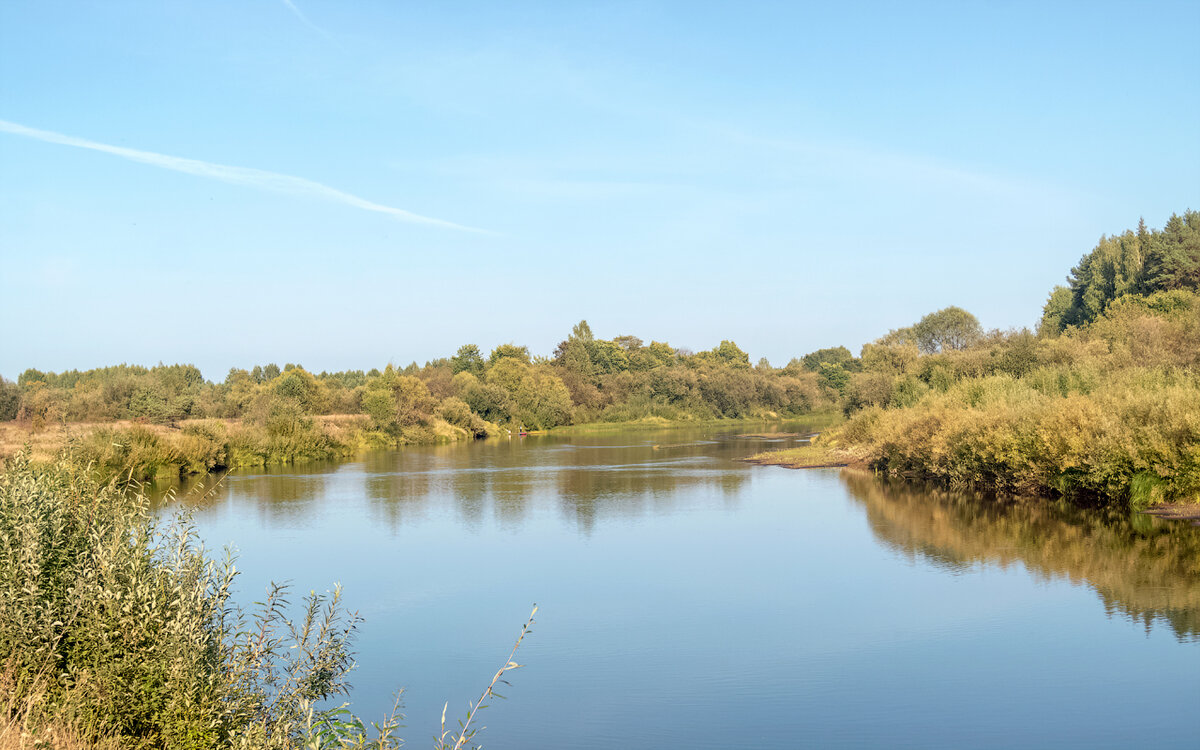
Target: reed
[117,630]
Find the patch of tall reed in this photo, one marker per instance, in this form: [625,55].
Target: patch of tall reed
[117,630]
[1133,436]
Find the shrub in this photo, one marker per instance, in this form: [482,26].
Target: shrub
[126,626]
[117,631]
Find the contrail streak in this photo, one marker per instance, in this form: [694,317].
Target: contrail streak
[257,178]
[304,19]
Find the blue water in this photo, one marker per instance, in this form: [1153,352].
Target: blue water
[691,600]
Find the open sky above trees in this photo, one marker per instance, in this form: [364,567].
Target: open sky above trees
[345,185]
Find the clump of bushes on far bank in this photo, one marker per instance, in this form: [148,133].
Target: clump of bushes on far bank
[1133,437]
[280,435]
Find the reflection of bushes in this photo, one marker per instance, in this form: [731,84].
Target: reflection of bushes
[1147,569]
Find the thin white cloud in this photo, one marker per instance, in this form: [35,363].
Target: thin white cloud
[256,178]
[304,19]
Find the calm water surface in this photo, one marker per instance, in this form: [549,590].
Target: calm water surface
[690,600]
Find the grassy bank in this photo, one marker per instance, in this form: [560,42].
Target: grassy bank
[142,452]
[1134,438]
[116,631]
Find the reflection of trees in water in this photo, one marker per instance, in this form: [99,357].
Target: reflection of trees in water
[587,481]
[281,493]
[1143,568]
[586,493]
[586,478]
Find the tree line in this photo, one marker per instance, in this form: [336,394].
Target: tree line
[1102,401]
[587,379]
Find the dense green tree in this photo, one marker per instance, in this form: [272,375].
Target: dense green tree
[1056,312]
[657,354]
[833,377]
[491,402]
[837,355]
[1173,261]
[889,359]
[899,337]
[607,357]
[730,355]
[541,399]
[948,329]
[395,401]
[467,359]
[1135,262]
[300,386]
[508,351]
[31,376]
[10,399]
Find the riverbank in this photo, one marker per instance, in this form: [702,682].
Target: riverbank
[1133,438]
[142,452]
[815,420]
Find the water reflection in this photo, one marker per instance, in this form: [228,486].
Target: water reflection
[662,562]
[587,479]
[1143,568]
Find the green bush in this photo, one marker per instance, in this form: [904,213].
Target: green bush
[1133,437]
[125,627]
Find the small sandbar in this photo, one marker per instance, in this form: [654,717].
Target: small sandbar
[1176,512]
[771,435]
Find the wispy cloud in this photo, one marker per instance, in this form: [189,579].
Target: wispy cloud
[304,19]
[256,178]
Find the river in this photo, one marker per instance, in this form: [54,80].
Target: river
[691,600]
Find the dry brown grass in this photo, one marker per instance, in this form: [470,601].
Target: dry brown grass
[47,442]
[22,727]
[22,734]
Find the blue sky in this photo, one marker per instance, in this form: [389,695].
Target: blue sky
[348,184]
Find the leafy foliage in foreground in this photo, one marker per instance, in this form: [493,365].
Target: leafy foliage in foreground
[115,629]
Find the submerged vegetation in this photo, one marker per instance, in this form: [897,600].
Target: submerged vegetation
[1102,403]
[116,631]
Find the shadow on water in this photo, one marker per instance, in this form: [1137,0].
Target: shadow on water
[1143,568]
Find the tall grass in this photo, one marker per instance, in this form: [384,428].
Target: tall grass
[117,629]
[1133,436]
